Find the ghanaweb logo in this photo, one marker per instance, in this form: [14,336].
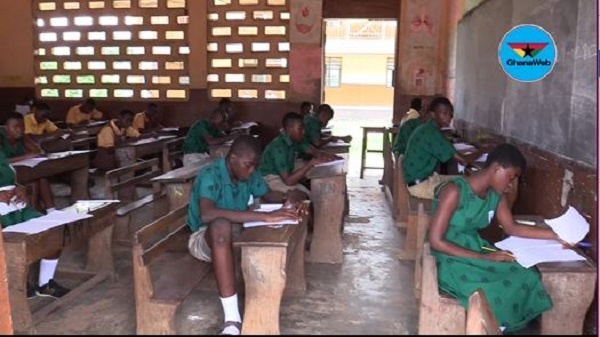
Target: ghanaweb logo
[527,53]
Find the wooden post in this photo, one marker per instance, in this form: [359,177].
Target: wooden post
[363,155]
[5,314]
[401,196]
[423,220]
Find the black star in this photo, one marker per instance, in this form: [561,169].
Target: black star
[527,51]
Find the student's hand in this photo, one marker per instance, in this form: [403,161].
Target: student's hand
[20,193]
[5,196]
[316,161]
[499,256]
[347,139]
[326,156]
[280,215]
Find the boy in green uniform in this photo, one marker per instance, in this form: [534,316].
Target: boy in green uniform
[14,210]
[427,148]
[306,108]
[277,165]
[16,146]
[405,130]
[314,123]
[204,133]
[464,206]
[219,205]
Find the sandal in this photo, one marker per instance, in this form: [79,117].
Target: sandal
[232,328]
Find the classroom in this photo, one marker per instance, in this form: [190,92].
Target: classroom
[299,167]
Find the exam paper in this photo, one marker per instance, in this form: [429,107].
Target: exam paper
[13,205]
[333,162]
[337,144]
[463,147]
[170,129]
[245,126]
[269,208]
[482,158]
[529,252]
[570,227]
[31,162]
[46,222]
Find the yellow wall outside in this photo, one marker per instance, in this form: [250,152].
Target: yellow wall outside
[363,93]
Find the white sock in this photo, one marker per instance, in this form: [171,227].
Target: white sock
[51,209]
[230,308]
[47,269]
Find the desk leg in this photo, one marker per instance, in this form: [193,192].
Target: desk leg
[571,294]
[79,184]
[327,196]
[126,157]
[264,274]
[17,268]
[99,254]
[296,283]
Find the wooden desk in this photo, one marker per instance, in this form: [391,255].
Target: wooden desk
[338,148]
[128,153]
[88,130]
[77,164]
[23,249]
[179,183]
[272,266]
[365,149]
[571,287]
[328,196]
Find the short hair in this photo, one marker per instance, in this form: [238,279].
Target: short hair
[506,155]
[326,109]
[416,103]
[41,106]
[440,100]
[90,102]
[305,104]
[291,118]
[224,101]
[246,145]
[125,113]
[13,115]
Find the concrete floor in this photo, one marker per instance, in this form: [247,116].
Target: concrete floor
[370,292]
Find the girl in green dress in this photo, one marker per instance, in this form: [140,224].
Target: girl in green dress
[466,205]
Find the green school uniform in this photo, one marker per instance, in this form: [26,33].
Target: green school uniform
[279,156]
[516,295]
[194,141]
[9,150]
[312,129]
[7,178]
[213,182]
[404,134]
[426,148]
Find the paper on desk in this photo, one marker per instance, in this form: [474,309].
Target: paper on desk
[85,206]
[529,252]
[170,129]
[463,146]
[269,208]
[144,141]
[570,227]
[333,162]
[337,144]
[56,155]
[461,168]
[65,136]
[31,162]
[13,205]
[245,126]
[482,158]
[43,223]
[166,137]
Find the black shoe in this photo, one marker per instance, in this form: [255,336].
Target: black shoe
[30,291]
[52,289]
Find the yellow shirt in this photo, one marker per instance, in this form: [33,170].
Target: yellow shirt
[140,120]
[106,136]
[32,127]
[411,114]
[75,116]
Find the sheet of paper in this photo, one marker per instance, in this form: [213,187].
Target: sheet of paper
[461,168]
[333,162]
[56,155]
[337,144]
[269,208]
[572,227]
[482,158]
[463,146]
[13,205]
[529,252]
[31,162]
[46,222]
[166,137]
[144,141]
[245,126]
[170,129]
[85,206]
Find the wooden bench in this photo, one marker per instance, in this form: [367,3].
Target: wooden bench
[172,153]
[423,224]
[273,266]
[480,319]
[401,195]
[164,272]
[121,183]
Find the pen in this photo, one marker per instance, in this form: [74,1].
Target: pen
[495,250]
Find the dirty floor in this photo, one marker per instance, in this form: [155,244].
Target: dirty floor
[370,292]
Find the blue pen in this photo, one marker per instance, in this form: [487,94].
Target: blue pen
[584,245]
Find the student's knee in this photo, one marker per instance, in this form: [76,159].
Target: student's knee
[220,231]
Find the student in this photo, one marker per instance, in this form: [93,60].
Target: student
[149,120]
[464,206]
[219,205]
[416,104]
[278,160]
[38,126]
[202,134]
[406,130]
[306,109]
[14,210]
[16,146]
[314,123]
[83,113]
[426,148]
[115,133]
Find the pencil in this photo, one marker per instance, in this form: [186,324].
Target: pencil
[495,250]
